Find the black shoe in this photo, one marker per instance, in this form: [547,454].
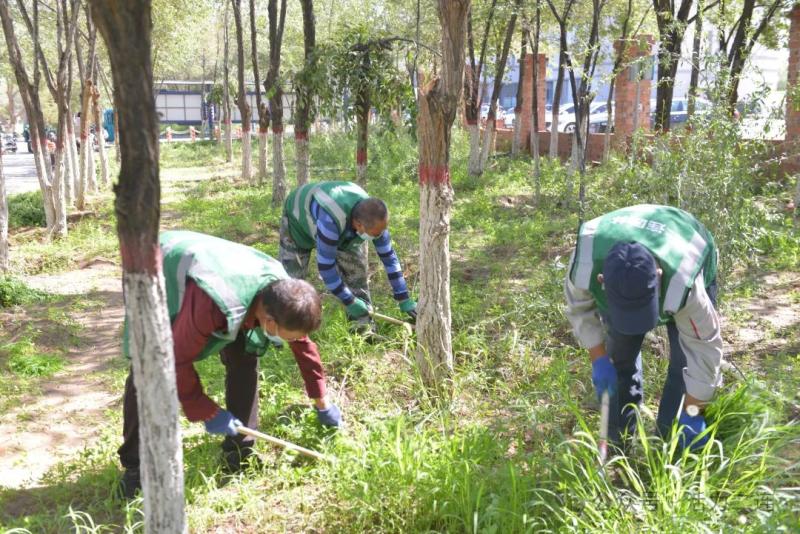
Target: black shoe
[131,483]
[238,459]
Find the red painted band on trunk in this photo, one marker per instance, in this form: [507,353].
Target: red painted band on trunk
[277,129]
[517,109]
[301,136]
[434,174]
[361,157]
[140,259]
[245,130]
[263,130]
[84,136]
[59,145]
[472,122]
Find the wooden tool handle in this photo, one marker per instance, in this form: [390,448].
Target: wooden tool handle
[282,443]
[392,320]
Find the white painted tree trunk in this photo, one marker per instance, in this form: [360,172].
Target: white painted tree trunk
[516,143]
[83,180]
[554,136]
[434,317]
[486,147]
[361,173]
[262,157]
[247,157]
[228,141]
[3,220]
[303,159]
[101,148]
[474,165]
[153,362]
[278,169]
[797,198]
[537,170]
[59,195]
[69,181]
[45,175]
[93,187]
[74,162]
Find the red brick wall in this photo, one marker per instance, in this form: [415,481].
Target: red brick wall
[625,101]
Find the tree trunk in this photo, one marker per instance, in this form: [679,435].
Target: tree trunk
[516,144]
[244,107]
[86,149]
[305,94]
[101,144]
[71,177]
[671,27]
[116,136]
[557,102]
[472,90]
[29,92]
[474,165]
[226,97]
[3,220]
[60,175]
[617,65]
[362,134]
[438,101]
[491,120]
[263,112]
[695,76]
[125,26]
[272,85]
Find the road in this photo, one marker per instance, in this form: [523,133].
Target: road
[19,170]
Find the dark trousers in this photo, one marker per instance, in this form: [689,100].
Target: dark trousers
[241,399]
[626,353]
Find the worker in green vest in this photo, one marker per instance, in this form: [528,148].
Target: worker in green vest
[337,218]
[228,299]
[632,270]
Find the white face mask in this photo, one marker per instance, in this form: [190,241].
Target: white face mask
[366,237]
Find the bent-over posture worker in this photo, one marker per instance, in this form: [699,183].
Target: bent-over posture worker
[632,270]
[230,299]
[338,218]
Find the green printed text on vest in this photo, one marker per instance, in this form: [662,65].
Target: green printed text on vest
[230,273]
[337,199]
[681,245]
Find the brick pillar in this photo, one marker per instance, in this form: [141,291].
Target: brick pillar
[527,96]
[793,86]
[625,90]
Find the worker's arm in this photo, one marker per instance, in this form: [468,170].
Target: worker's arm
[198,318]
[582,314]
[308,360]
[700,338]
[327,249]
[391,264]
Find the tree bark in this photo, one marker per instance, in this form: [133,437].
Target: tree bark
[537,172]
[557,101]
[263,112]
[472,91]
[125,26]
[438,101]
[516,144]
[362,133]
[29,92]
[273,87]
[98,128]
[305,94]
[694,79]
[671,27]
[491,120]
[244,107]
[226,97]
[3,220]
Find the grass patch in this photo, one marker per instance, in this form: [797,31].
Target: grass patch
[26,360]
[26,209]
[14,292]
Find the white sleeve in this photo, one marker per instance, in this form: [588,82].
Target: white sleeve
[701,340]
[582,313]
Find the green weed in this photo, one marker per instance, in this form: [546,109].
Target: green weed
[14,292]
[25,359]
[26,209]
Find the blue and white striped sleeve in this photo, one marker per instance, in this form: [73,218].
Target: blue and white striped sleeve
[383,245]
[327,241]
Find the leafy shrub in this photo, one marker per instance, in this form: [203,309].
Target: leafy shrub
[26,209]
[25,360]
[13,292]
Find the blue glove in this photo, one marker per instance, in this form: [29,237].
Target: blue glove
[689,428]
[604,376]
[223,423]
[330,416]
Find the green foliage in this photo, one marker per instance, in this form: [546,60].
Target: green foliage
[24,359]
[14,292]
[26,209]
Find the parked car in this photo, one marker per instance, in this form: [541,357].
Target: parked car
[679,113]
[763,117]
[566,115]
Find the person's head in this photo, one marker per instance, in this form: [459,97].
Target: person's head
[289,309]
[370,217]
[631,279]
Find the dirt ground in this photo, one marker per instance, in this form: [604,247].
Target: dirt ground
[63,418]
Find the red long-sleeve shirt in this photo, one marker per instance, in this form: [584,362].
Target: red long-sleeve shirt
[198,318]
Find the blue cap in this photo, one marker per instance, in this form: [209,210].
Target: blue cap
[630,278]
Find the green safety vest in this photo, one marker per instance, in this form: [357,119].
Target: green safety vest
[683,247]
[230,273]
[337,199]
